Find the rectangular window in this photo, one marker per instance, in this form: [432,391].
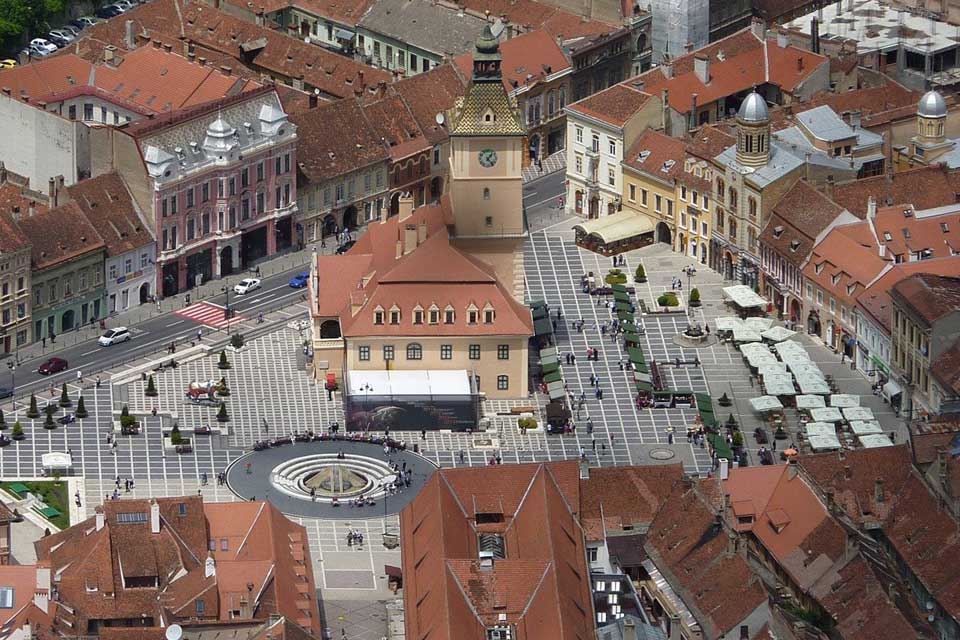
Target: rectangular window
[474,352]
[245,177]
[612,147]
[413,62]
[683,193]
[260,171]
[205,192]
[233,186]
[595,143]
[579,133]
[503,352]
[643,197]
[200,608]
[669,208]
[446,352]
[633,193]
[220,188]
[611,177]
[503,383]
[388,352]
[286,163]
[261,202]
[578,161]
[128,266]
[657,203]
[88,112]
[190,196]
[277,166]
[364,353]
[73,112]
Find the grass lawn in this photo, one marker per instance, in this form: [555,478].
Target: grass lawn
[52,493]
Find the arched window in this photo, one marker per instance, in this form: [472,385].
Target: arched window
[752,204]
[721,188]
[733,198]
[752,238]
[414,351]
[486,193]
[733,229]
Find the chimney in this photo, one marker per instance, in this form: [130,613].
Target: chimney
[692,120]
[52,191]
[584,471]
[41,595]
[382,88]
[871,208]
[154,517]
[701,66]
[830,499]
[782,40]
[226,70]
[260,19]
[855,119]
[665,111]
[688,47]
[828,187]
[209,566]
[129,37]
[409,238]
[421,233]
[156,44]
[3,172]
[666,67]
[629,629]
[889,173]
[108,53]
[202,61]
[486,560]
[733,542]
[406,206]
[878,494]
[799,63]
[100,518]
[399,249]
[758,28]
[724,468]
[32,210]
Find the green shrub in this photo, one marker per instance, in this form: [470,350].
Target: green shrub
[641,274]
[175,437]
[615,276]
[49,423]
[64,398]
[124,411]
[81,408]
[151,391]
[222,413]
[527,423]
[3,422]
[127,421]
[222,388]
[738,438]
[17,431]
[33,412]
[236,340]
[224,363]
[668,299]
[694,295]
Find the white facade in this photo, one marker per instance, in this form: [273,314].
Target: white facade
[40,145]
[126,274]
[873,342]
[594,174]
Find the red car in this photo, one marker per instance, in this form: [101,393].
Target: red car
[53,365]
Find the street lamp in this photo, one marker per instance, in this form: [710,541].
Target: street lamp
[13,381]
[226,310]
[690,271]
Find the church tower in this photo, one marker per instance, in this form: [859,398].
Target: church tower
[486,152]
[753,131]
[931,140]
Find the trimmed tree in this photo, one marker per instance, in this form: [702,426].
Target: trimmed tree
[237,340]
[3,422]
[33,412]
[641,274]
[17,432]
[64,397]
[125,411]
[695,297]
[175,437]
[224,363]
[732,422]
[724,400]
[222,413]
[222,388]
[81,408]
[49,423]
[151,390]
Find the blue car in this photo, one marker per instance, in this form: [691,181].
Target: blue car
[300,280]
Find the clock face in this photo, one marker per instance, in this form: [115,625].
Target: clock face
[487,158]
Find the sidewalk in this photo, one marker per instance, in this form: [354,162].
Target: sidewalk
[141,313]
[552,163]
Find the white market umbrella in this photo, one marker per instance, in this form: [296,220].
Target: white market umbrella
[728,323]
[764,404]
[742,334]
[810,402]
[777,334]
[858,413]
[758,324]
[875,440]
[844,400]
[864,428]
[826,414]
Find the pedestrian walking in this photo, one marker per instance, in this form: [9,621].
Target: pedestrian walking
[79,376]
[199,335]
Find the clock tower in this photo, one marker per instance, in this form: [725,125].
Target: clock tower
[486,152]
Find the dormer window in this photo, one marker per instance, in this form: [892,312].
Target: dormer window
[836,278]
[394,315]
[818,268]
[488,315]
[449,315]
[777,231]
[434,315]
[418,315]
[378,316]
[473,315]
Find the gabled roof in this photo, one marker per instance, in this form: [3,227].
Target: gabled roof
[322,156]
[796,221]
[946,369]
[486,110]
[737,63]
[925,188]
[843,267]
[108,205]
[657,155]
[875,299]
[59,235]
[614,105]
[928,295]
[616,497]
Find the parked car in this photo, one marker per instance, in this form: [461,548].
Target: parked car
[85,21]
[8,63]
[108,11]
[299,281]
[43,44]
[246,286]
[5,392]
[345,247]
[126,5]
[53,365]
[60,37]
[72,29]
[114,336]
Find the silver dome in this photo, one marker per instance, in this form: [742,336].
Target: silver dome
[753,109]
[932,105]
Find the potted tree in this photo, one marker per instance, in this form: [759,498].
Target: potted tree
[237,341]
[695,297]
[49,423]
[81,408]
[640,275]
[64,398]
[3,422]
[724,400]
[17,432]
[33,412]
[222,413]
[222,389]
[151,390]
[224,363]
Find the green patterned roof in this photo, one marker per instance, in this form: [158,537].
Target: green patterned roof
[469,115]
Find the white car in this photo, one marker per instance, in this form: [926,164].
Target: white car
[246,286]
[114,336]
[43,44]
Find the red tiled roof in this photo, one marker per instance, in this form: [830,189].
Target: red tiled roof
[614,105]
[542,587]
[108,205]
[796,221]
[925,188]
[709,141]
[737,63]
[527,59]
[940,233]
[347,12]
[413,280]
[875,299]
[875,104]
[929,295]
[59,235]
[946,369]
[843,267]
[614,497]
[322,156]
[660,150]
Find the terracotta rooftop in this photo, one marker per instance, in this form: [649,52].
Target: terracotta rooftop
[946,369]
[709,141]
[874,104]
[429,94]
[614,105]
[530,14]
[59,235]
[542,586]
[925,188]
[903,230]
[796,221]
[736,63]
[656,154]
[111,209]
[875,299]
[412,281]
[689,546]
[928,295]
[842,267]
[322,156]
[616,497]
[347,12]
[528,58]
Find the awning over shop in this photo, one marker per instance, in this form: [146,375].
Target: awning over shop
[621,296]
[626,307]
[343,34]
[891,389]
[635,354]
[618,226]
[616,286]
[542,327]
[409,383]
[743,296]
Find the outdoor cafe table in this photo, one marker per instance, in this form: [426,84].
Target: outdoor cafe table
[844,400]
[826,414]
[810,402]
[875,440]
[864,428]
[858,413]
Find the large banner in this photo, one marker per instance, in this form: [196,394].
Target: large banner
[412,413]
